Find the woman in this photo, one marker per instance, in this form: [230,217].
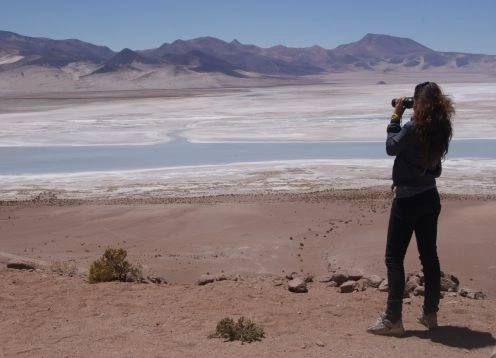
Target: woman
[419,146]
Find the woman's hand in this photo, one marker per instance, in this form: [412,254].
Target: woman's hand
[399,109]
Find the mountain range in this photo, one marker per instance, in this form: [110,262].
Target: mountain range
[374,52]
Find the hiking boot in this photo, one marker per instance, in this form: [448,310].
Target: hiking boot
[385,327]
[428,319]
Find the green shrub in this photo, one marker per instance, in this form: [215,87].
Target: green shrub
[113,266]
[243,330]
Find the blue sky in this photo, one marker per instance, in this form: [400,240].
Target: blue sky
[443,25]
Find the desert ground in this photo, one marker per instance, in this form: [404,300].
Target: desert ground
[253,223]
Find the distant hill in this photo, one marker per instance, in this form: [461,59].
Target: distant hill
[47,52]
[374,52]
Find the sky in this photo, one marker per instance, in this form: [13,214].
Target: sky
[442,25]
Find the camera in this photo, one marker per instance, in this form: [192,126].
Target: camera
[407,102]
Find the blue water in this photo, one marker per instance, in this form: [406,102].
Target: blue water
[179,152]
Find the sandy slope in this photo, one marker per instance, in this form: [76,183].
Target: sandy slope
[259,238]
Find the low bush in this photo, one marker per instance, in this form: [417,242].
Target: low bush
[244,330]
[113,266]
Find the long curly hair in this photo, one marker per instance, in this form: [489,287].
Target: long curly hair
[432,119]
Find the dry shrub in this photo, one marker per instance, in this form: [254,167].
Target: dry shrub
[65,268]
[113,266]
[244,330]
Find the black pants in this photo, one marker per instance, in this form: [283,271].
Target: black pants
[417,214]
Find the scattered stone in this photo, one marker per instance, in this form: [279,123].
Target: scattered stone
[157,280]
[348,287]
[332,284]
[205,279]
[292,275]
[320,344]
[354,275]
[279,281]
[419,291]
[340,277]
[475,295]
[362,284]
[297,285]
[448,284]
[383,287]
[412,283]
[20,266]
[374,280]
[221,277]
[324,279]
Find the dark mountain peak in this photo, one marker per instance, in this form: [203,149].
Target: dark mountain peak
[381,46]
[235,43]
[125,58]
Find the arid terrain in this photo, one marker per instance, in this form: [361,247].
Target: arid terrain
[255,241]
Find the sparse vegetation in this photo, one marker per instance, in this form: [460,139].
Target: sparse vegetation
[244,330]
[113,266]
[65,268]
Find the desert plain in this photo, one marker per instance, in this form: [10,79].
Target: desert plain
[253,222]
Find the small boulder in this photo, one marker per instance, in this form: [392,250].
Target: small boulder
[361,284]
[347,287]
[383,287]
[469,293]
[20,266]
[324,279]
[157,280]
[412,283]
[297,285]
[340,277]
[205,279]
[374,280]
[419,291]
[354,275]
[448,285]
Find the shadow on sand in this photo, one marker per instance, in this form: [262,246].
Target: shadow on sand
[458,337]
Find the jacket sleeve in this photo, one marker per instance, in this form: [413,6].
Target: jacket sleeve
[397,137]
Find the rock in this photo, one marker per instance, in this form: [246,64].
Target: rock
[291,275]
[407,301]
[157,280]
[332,284]
[297,285]
[340,277]
[20,266]
[361,284]
[419,291]
[448,285]
[307,277]
[412,283]
[354,275]
[374,280]
[383,287]
[205,279]
[221,277]
[324,279]
[475,295]
[320,344]
[347,287]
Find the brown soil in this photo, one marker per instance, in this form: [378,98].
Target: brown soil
[257,238]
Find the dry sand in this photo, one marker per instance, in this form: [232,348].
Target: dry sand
[260,238]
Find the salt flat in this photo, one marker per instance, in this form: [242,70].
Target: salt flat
[318,112]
